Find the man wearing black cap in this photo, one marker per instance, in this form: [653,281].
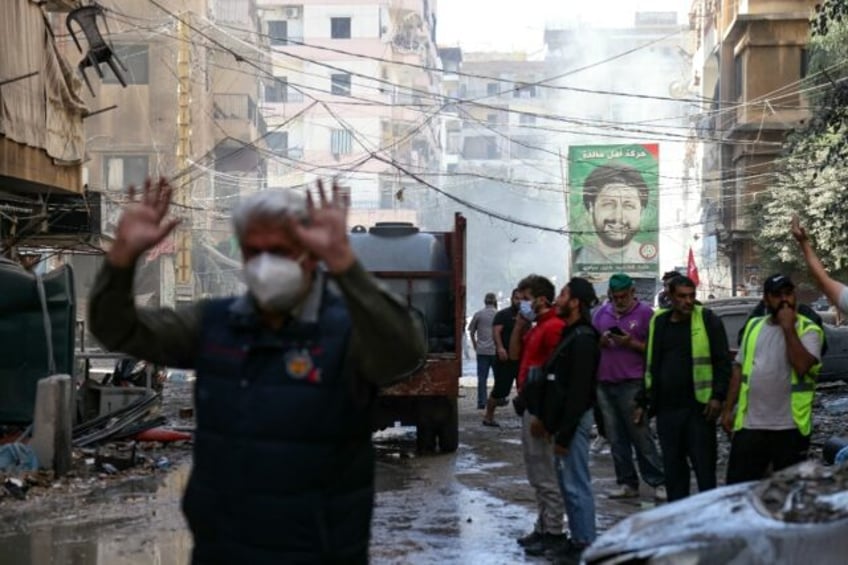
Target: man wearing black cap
[772,387]
[568,413]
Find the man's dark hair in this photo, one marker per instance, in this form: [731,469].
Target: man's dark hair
[609,174]
[538,286]
[670,275]
[679,281]
[584,292]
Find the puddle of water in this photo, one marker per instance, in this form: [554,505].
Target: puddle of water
[435,518]
[134,523]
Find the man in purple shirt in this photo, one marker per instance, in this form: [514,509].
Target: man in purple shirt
[623,323]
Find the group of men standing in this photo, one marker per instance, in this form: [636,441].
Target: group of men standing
[633,362]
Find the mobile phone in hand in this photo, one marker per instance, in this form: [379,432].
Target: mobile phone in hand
[615,330]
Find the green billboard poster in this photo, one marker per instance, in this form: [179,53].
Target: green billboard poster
[614,209]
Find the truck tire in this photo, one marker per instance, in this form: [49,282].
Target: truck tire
[447,430]
[425,438]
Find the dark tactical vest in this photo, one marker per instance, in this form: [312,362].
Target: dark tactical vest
[283,463]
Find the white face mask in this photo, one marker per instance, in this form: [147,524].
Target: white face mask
[275,282]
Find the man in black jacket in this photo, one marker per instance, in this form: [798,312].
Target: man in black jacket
[568,413]
[686,381]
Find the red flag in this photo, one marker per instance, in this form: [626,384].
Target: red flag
[692,269]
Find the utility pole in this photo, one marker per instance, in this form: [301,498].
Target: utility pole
[184,276]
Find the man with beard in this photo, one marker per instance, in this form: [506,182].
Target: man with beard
[623,324]
[568,414]
[615,196]
[533,345]
[774,377]
[286,376]
[686,378]
[505,369]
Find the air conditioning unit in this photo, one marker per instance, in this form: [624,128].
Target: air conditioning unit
[292,12]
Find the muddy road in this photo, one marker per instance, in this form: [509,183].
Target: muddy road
[466,507]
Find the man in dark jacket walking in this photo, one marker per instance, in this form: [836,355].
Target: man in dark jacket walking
[286,375]
[568,413]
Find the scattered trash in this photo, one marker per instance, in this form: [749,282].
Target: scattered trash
[836,407]
[117,462]
[17,457]
[186,413]
[16,488]
[832,447]
[177,376]
[163,463]
[164,435]
[129,419]
[108,468]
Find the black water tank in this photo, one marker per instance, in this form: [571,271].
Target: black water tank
[400,246]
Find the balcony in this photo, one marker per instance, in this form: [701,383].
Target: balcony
[238,117]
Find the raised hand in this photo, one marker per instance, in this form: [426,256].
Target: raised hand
[798,231]
[324,231]
[142,224]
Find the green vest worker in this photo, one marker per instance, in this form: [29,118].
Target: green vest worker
[686,377]
[772,387]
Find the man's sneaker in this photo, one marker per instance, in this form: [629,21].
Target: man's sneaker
[660,494]
[623,491]
[546,543]
[532,537]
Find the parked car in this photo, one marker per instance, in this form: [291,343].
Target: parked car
[735,311]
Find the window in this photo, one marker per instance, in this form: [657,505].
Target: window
[124,170]
[278,32]
[491,89]
[453,141]
[805,62]
[492,148]
[278,142]
[277,91]
[480,147]
[135,59]
[340,84]
[340,28]
[738,77]
[526,119]
[524,90]
[341,142]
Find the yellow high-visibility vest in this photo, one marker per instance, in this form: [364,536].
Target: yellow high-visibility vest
[702,366]
[803,388]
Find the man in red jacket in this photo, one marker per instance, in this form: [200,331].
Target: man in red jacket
[536,334]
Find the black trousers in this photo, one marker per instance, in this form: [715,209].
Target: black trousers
[686,437]
[753,451]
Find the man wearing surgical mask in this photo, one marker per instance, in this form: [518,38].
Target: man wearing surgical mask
[286,376]
[533,347]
